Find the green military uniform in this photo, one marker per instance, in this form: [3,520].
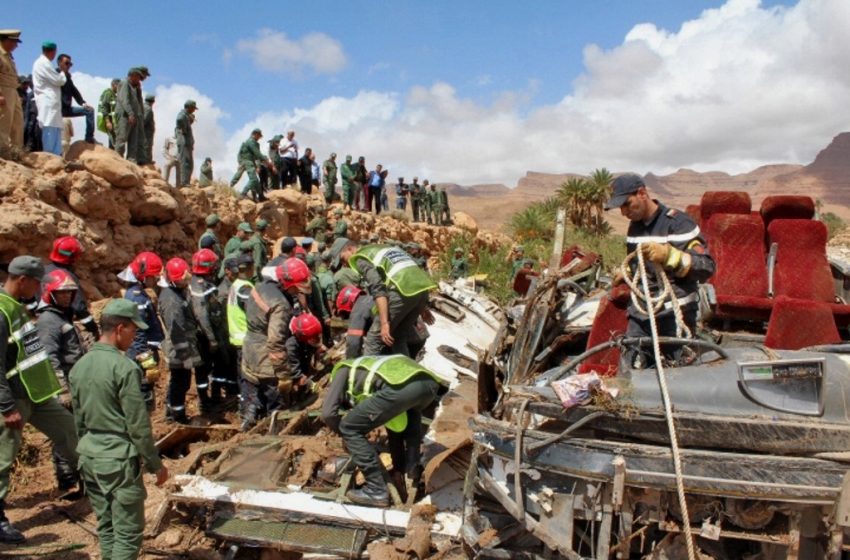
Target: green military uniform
[258,248]
[416,200]
[330,178]
[149,128]
[205,178]
[129,138]
[516,265]
[185,143]
[460,266]
[346,276]
[277,161]
[445,215]
[347,171]
[248,159]
[341,228]
[435,207]
[116,442]
[106,114]
[233,247]
[28,385]
[317,227]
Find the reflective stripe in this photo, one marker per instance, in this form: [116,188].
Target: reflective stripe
[29,361]
[673,238]
[367,383]
[202,385]
[682,301]
[355,332]
[181,346]
[203,294]
[177,407]
[21,332]
[88,319]
[399,266]
[66,328]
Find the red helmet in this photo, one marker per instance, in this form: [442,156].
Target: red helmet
[292,272]
[204,262]
[176,269]
[146,265]
[300,253]
[346,298]
[57,281]
[305,327]
[66,250]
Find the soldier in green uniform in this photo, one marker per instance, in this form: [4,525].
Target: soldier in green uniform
[341,226]
[106,111]
[209,239]
[460,266]
[329,178]
[425,207]
[249,158]
[517,258]
[116,440]
[234,244]
[415,251]
[276,160]
[318,226]
[149,127]
[259,254]
[435,203]
[416,199]
[185,142]
[205,177]
[347,172]
[445,216]
[129,135]
[404,390]
[27,382]
[326,278]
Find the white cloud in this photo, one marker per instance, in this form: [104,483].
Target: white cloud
[273,51]
[737,87]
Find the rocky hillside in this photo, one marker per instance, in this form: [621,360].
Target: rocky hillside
[118,209]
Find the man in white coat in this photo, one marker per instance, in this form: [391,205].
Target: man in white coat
[47,83]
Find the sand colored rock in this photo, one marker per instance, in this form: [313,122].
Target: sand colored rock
[463,220]
[106,164]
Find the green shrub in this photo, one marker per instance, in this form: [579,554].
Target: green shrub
[834,224]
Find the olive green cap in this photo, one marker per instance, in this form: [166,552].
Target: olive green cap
[212,220]
[125,308]
[246,227]
[190,104]
[261,224]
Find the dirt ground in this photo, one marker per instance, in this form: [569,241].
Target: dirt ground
[61,529]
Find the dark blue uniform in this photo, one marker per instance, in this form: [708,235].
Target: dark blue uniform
[669,225]
[146,340]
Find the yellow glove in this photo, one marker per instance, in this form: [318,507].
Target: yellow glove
[656,252]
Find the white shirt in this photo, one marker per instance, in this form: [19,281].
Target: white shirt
[169,149]
[317,173]
[289,149]
[46,86]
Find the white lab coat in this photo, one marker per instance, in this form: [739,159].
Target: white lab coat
[46,86]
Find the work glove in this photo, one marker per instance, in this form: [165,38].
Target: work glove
[672,259]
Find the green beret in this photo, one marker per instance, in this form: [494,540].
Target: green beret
[246,227]
[212,220]
[261,224]
[48,46]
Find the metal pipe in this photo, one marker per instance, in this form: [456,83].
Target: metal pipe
[558,247]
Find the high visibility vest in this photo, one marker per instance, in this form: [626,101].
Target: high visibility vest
[33,366]
[398,267]
[237,320]
[396,369]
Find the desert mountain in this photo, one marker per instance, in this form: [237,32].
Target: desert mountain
[827,179]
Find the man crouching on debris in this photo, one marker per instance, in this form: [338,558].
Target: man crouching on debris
[115,432]
[669,238]
[388,391]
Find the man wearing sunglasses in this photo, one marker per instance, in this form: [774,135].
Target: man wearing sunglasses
[71,93]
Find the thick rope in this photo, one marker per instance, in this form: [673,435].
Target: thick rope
[654,305]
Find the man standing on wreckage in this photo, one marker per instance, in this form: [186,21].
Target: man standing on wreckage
[670,239]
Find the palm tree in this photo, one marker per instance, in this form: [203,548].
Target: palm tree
[532,223]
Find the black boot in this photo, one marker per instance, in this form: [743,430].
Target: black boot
[8,533]
[374,493]
[67,476]
[178,416]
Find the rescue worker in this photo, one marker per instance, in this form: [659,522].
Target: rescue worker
[27,382]
[460,266]
[209,239]
[400,289]
[237,322]
[64,254]
[116,439]
[231,271]
[149,127]
[106,119]
[435,206]
[129,134]
[316,302]
[205,176]
[325,278]
[318,225]
[416,200]
[347,173]
[141,275]
[181,340]
[304,343]
[64,349]
[249,159]
[344,275]
[415,251]
[185,142]
[272,305]
[212,333]
[234,244]
[259,253]
[669,238]
[11,109]
[329,178]
[341,226]
[388,391]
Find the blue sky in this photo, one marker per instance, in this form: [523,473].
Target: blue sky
[477,70]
